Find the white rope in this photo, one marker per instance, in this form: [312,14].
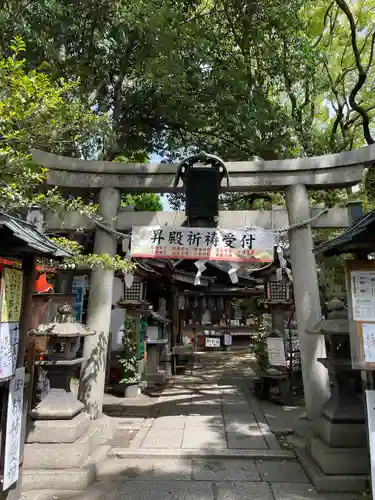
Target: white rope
[102,224]
[279,233]
[293,226]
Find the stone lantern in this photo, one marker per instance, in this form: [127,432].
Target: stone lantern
[346,402]
[63,446]
[336,458]
[61,341]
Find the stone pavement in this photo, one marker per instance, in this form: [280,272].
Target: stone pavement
[209,440]
[203,418]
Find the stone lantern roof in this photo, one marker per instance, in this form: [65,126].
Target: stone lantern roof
[337,322]
[64,325]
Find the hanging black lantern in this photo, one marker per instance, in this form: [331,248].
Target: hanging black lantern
[202,175]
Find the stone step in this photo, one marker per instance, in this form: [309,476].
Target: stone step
[48,479]
[55,479]
[198,453]
[58,495]
[331,483]
[56,431]
[98,458]
[340,461]
[61,455]
[91,494]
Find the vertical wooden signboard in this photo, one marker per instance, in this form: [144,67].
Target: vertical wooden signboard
[11,302]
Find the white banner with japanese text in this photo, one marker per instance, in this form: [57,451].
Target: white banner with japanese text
[13,429]
[197,243]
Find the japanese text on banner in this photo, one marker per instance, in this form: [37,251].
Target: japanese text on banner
[11,295]
[9,340]
[13,429]
[174,242]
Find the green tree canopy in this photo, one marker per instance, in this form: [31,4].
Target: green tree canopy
[36,112]
[265,79]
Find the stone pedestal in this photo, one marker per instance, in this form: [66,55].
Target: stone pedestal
[64,448]
[337,457]
[154,375]
[65,454]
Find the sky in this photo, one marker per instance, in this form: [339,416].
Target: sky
[166,206]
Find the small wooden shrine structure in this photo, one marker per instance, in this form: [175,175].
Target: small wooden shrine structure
[207,315]
[21,246]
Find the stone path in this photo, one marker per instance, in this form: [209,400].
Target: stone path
[204,417]
[209,440]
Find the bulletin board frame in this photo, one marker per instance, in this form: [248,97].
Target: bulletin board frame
[356,325]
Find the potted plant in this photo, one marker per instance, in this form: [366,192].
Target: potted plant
[128,360]
[259,348]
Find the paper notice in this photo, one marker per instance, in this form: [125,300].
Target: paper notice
[210,342]
[276,351]
[363,295]
[368,333]
[12,295]
[9,339]
[227,339]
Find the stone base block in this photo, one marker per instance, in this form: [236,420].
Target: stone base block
[132,391]
[106,427]
[58,431]
[156,377]
[341,435]
[331,483]
[76,479]
[337,461]
[60,495]
[57,405]
[61,455]
[63,494]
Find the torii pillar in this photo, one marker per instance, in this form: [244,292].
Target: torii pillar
[91,390]
[307,302]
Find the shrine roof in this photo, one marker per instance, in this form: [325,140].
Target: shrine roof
[358,238]
[19,237]
[184,270]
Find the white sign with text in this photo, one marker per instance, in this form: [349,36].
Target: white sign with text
[197,243]
[13,429]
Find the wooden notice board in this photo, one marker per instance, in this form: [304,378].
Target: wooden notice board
[360,287]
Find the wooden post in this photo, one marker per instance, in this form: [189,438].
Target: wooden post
[175,322]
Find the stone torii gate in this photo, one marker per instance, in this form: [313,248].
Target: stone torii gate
[294,177]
